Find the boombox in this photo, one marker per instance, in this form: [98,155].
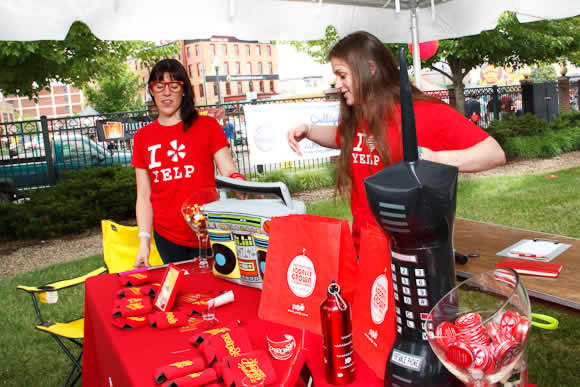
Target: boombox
[239,229]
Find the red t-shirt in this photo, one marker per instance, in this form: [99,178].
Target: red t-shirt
[439,127]
[178,163]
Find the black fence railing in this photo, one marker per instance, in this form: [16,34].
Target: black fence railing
[32,153]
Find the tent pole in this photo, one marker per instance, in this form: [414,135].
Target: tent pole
[415,41]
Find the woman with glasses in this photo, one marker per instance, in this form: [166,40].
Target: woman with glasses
[369,128]
[173,156]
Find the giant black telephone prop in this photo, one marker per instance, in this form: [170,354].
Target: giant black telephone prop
[414,203]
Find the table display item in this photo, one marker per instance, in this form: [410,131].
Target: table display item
[306,253]
[169,288]
[479,329]
[335,316]
[233,342]
[135,279]
[253,365]
[195,379]
[373,305]
[130,322]
[145,290]
[192,210]
[281,348]
[540,269]
[134,306]
[239,230]
[186,364]
[414,202]
[164,320]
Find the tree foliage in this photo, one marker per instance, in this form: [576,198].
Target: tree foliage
[116,92]
[317,49]
[29,67]
[511,43]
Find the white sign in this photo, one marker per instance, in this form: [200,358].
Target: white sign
[267,127]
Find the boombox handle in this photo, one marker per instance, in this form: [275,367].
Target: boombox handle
[278,188]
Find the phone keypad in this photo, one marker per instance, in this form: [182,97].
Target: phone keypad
[411,295]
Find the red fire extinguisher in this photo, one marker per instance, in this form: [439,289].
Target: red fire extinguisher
[337,337]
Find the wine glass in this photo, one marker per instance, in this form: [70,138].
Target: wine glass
[479,329]
[192,210]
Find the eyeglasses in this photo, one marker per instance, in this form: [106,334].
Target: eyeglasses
[159,86]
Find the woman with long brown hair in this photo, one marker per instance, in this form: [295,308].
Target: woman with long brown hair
[369,129]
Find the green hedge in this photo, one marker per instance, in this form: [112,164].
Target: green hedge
[527,136]
[80,199]
[75,204]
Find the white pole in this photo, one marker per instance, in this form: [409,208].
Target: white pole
[415,40]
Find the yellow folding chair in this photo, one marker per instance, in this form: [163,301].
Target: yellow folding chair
[73,331]
[120,246]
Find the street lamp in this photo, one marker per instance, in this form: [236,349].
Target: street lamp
[216,66]
[203,74]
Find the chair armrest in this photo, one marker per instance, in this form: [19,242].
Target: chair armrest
[62,284]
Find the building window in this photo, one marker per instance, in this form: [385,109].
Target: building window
[248,68]
[268,50]
[212,49]
[238,68]
[226,68]
[270,68]
[214,89]
[261,86]
[223,50]
[190,70]
[236,50]
[188,51]
[251,85]
[199,69]
[200,87]
[197,50]
[228,89]
[272,86]
[258,50]
[259,68]
[240,88]
[247,50]
[66,98]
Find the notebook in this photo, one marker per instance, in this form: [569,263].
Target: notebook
[542,269]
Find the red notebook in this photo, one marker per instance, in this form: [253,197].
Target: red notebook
[542,269]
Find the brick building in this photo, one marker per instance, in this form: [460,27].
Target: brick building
[244,66]
[61,100]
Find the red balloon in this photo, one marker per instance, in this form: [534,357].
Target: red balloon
[426,49]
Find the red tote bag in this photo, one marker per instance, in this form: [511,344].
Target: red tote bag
[305,253]
[373,307]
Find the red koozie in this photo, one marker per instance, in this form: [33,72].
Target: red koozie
[337,337]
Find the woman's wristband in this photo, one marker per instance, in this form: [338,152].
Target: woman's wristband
[237,175]
[143,234]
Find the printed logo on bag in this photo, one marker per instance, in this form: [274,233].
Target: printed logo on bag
[379,299]
[301,276]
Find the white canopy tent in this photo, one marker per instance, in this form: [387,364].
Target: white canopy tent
[392,21]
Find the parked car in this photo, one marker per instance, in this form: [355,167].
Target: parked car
[70,151]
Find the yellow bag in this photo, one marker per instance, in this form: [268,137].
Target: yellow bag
[120,246]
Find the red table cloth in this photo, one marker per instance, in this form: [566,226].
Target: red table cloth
[115,357]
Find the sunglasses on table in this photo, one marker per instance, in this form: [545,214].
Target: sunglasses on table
[159,86]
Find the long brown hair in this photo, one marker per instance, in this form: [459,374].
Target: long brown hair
[375,93]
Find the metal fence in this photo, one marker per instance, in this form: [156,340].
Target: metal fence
[27,149]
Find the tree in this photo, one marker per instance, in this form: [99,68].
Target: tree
[29,67]
[116,92]
[544,73]
[511,43]
[317,49]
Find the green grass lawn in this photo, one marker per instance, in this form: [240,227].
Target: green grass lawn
[534,202]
